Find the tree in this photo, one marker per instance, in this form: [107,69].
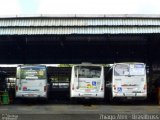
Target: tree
[65,65]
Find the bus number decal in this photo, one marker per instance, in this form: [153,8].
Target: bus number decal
[119,89]
[94,83]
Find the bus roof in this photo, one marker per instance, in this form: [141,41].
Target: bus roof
[87,65]
[130,63]
[25,66]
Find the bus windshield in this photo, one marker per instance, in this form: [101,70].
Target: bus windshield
[88,71]
[129,69]
[33,73]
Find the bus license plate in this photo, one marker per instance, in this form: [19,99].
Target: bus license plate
[129,98]
[129,94]
[30,95]
[87,90]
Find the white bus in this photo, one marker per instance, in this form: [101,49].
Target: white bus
[129,81]
[87,81]
[31,82]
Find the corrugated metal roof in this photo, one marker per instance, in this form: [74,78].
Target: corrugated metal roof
[83,16]
[82,30]
[78,22]
[79,25]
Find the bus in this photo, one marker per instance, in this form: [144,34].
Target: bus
[129,81]
[87,81]
[31,82]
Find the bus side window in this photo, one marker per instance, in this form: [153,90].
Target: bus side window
[75,71]
[18,73]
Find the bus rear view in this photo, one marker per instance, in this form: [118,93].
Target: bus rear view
[31,82]
[129,80]
[87,81]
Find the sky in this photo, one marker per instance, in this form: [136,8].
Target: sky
[36,7]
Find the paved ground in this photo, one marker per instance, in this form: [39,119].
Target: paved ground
[79,112]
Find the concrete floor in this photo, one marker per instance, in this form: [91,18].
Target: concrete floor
[78,112]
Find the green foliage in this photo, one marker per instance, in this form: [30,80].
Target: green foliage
[65,65]
[107,65]
[70,65]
